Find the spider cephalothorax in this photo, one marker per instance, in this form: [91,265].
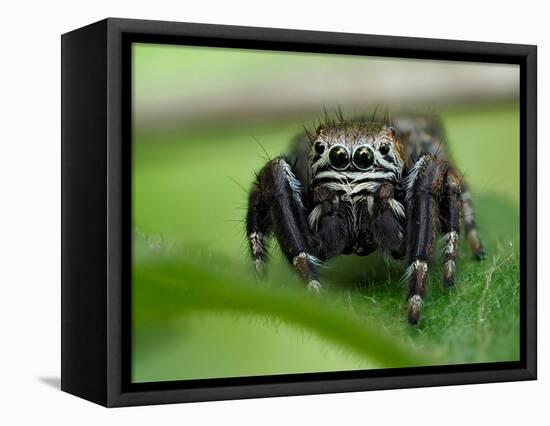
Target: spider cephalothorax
[354,186]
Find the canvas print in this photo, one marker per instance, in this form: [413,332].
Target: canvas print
[298,212]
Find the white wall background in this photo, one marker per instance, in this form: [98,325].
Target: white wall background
[30,211]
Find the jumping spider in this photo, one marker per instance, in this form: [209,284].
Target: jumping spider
[354,186]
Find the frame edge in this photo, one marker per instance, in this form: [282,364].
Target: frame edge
[83,219]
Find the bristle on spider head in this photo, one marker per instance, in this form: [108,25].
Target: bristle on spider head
[339,113]
[373,117]
[310,136]
[326,114]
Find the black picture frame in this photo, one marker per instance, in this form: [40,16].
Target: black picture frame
[96,211]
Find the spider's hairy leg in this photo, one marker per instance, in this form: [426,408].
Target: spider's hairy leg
[280,192]
[470,227]
[258,228]
[424,188]
[450,225]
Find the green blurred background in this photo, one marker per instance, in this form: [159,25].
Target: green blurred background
[203,120]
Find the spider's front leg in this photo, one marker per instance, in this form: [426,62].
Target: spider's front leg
[433,195]
[450,208]
[276,205]
[470,227]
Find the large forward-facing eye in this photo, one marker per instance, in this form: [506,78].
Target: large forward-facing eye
[363,158]
[339,157]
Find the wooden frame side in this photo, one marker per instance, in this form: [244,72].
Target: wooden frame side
[83,213]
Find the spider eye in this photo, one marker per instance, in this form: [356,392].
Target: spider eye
[384,149]
[319,147]
[363,158]
[339,157]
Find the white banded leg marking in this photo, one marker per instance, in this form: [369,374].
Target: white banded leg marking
[417,274]
[450,268]
[314,286]
[305,261]
[451,242]
[314,217]
[416,302]
[293,182]
[417,266]
[257,243]
[412,176]
[307,257]
[259,265]
[397,208]
[449,254]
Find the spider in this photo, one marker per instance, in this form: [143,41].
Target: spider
[354,186]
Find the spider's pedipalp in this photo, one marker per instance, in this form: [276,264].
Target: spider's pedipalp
[387,222]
